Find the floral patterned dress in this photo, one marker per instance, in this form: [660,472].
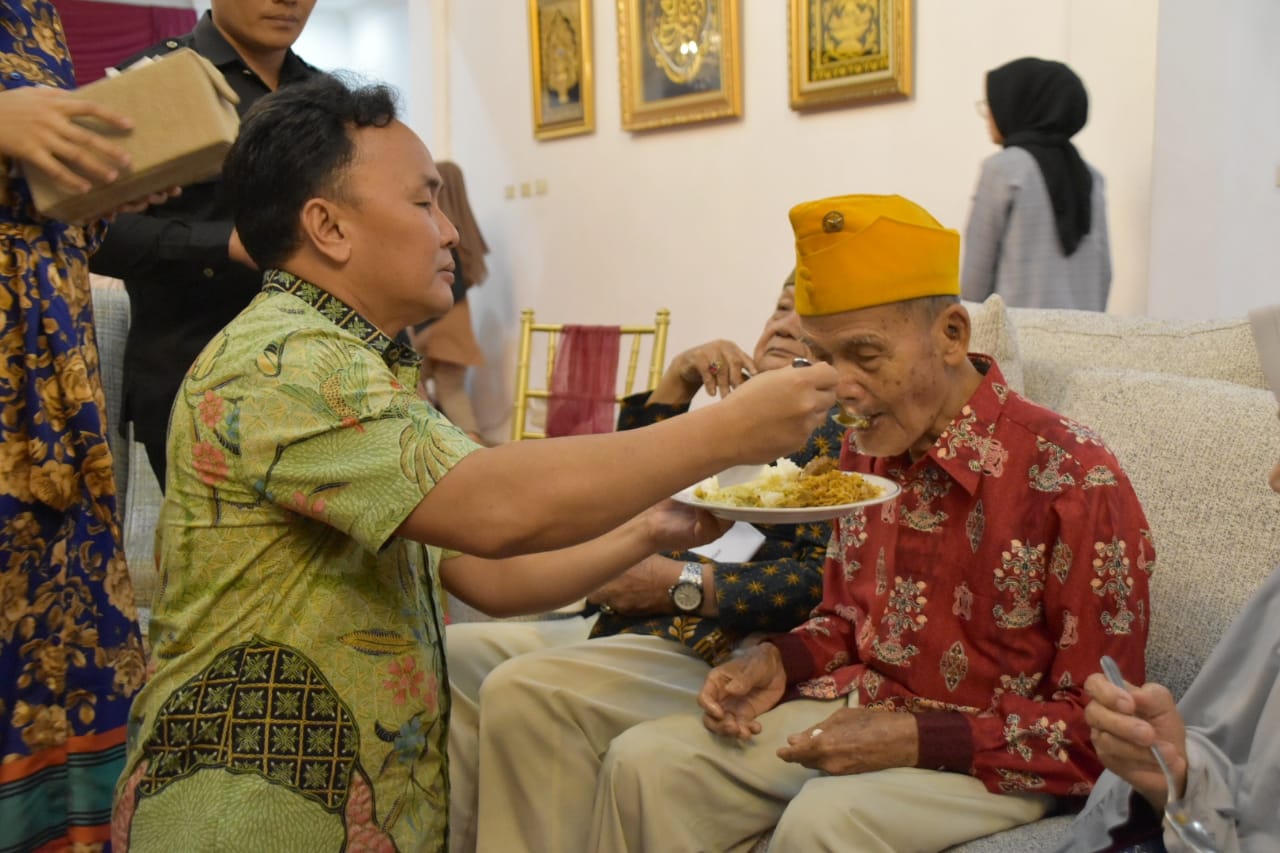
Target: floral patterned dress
[70,649]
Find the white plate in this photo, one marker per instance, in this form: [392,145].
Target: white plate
[782,515]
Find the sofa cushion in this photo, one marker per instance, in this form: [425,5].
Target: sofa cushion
[1055,343]
[138,495]
[141,517]
[1198,453]
[111,328]
[1044,834]
[993,333]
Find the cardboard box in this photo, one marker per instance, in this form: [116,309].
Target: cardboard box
[184,120]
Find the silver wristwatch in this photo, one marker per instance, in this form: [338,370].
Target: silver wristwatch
[686,594]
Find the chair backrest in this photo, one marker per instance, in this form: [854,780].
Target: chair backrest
[111,329]
[138,496]
[548,336]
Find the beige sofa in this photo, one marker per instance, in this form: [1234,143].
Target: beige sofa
[138,493]
[1183,405]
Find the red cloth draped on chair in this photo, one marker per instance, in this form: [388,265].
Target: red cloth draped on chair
[100,35]
[584,381]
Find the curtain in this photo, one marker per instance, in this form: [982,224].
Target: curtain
[100,35]
[584,381]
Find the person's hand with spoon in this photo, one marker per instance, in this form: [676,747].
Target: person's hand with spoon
[1126,723]
[1141,737]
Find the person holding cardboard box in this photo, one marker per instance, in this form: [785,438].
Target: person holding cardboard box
[183,264]
[70,650]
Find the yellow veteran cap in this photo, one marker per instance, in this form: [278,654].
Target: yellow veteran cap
[856,251]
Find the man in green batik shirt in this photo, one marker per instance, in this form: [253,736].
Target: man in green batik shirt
[300,698]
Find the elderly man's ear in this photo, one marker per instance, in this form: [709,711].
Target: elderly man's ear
[324,228]
[953,328]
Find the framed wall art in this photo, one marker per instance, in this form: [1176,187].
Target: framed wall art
[560,51]
[678,61]
[846,51]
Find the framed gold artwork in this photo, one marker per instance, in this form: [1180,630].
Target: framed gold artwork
[845,51]
[678,61]
[560,50]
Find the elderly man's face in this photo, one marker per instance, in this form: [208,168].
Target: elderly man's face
[780,342]
[399,237]
[892,371]
[262,25]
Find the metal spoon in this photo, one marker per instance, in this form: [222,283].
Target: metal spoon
[851,421]
[1193,833]
[845,419]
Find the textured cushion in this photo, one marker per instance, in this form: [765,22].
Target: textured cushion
[111,327]
[1198,453]
[141,513]
[138,496]
[993,334]
[1041,835]
[1054,343]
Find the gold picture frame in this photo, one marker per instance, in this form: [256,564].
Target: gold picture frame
[679,62]
[849,51]
[560,52]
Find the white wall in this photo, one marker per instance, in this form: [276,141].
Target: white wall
[694,219]
[1185,125]
[1215,204]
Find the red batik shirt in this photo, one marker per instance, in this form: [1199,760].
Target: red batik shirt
[983,596]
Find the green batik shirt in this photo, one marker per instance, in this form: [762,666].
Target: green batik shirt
[300,699]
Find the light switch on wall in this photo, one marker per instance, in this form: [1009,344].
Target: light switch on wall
[525,190]
[509,192]
[540,186]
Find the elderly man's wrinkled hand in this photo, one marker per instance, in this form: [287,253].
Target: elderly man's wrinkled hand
[641,589]
[737,692]
[855,740]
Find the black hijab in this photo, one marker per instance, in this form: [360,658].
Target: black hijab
[1039,105]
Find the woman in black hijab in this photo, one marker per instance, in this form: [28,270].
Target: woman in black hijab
[1037,234]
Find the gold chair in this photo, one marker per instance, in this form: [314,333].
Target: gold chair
[552,331]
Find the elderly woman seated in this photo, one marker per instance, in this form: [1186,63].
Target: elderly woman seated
[661,623]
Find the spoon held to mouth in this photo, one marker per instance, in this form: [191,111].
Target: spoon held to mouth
[844,418]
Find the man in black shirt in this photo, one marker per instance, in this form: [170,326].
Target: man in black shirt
[182,262]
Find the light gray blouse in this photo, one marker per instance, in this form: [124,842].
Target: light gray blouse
[1011,243]
[1232,711]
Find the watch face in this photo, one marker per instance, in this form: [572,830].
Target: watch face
[687,596]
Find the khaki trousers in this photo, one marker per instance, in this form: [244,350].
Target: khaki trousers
[528,734]
[672,786]
[474,650]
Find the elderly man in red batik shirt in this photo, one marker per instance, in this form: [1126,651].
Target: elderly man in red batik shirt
[935,694]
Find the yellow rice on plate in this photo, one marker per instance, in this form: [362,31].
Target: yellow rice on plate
[785,485]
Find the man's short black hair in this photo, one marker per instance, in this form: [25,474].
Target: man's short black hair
[294,145]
